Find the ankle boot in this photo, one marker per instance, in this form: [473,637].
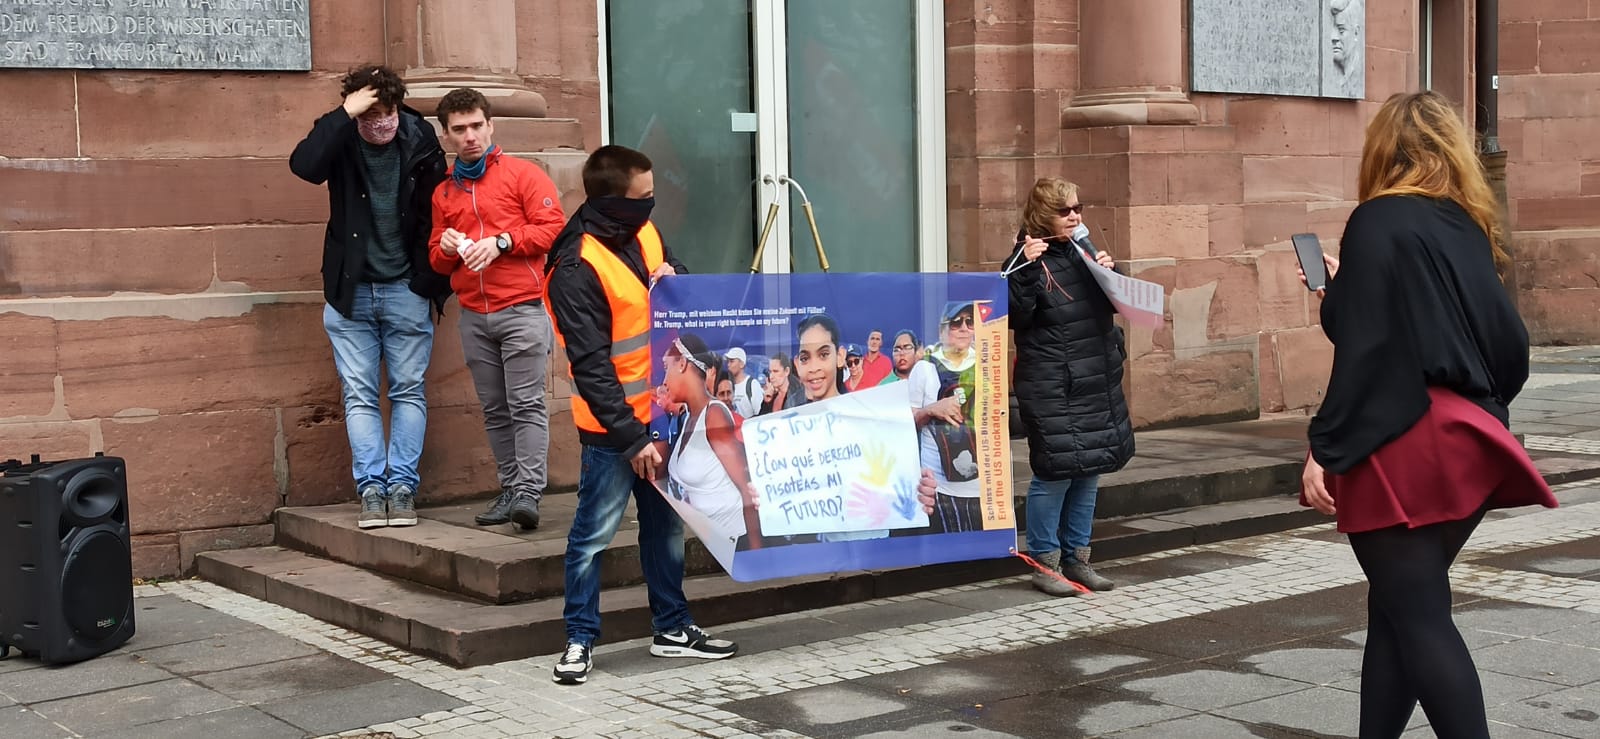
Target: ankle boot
[1047,584]
[1077,569]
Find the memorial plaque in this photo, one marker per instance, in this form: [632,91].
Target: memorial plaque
[1313,48]
[156,34]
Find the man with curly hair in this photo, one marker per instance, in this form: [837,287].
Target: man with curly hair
[381,162]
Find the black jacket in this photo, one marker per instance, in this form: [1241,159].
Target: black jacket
[1068,375]
[330,154]
[1416,304]
[583,314]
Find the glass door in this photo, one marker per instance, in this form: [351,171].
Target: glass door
[743,103]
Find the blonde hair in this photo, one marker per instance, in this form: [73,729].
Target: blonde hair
[1050,194]
[1418,145]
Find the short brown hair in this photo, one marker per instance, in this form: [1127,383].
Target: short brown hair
[1049,196]
[391,89]
[462,100]
[610,170]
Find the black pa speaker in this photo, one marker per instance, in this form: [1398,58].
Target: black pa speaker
[66,561]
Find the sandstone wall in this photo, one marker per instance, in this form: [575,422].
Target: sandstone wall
[159,289]
[1550,127]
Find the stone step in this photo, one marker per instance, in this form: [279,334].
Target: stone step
[446,550]
[501,564]
[464,631]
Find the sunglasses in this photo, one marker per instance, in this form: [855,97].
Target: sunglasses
[853,360]
[961,322]
[1069,210]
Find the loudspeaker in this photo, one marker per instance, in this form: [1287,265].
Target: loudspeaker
[66,560]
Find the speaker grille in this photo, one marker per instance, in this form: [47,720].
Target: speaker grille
[95,579]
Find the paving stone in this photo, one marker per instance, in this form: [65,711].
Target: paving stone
[1079,661]
[279,680]
[103,673]
[18,721]
[167,619]
[1517,619]
[1195,638]
[1498,689]
[815,709]
[1312,613]
[1178,566]
[1307,662]
[128,707]
[963,684]
[1542,660]
[227,652]
[1075,712]
[343,709]
[992,598]
[238,722]
[1323,711]
[1204,689]
[1208,727]
[1574,712]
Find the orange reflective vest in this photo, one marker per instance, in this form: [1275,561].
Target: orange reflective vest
[630,324]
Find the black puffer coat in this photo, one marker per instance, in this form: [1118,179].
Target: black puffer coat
[1068,374]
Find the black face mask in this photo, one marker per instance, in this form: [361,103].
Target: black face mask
[630,212]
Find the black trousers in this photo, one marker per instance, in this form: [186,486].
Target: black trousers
[1414,652]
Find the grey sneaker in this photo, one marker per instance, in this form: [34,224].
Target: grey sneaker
[498,512]
[402,505]
[525,510]
[374,507]
[1046,582]
[1077,569]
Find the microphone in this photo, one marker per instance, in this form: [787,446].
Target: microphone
[1080,236]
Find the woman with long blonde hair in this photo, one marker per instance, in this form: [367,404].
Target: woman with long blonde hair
[1411,445]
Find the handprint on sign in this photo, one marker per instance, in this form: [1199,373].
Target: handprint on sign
[867,505]
[869,499]
[905,499]
[879,465]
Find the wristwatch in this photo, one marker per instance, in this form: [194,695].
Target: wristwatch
[503,242]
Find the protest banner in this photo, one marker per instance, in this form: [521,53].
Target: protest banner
[864,382]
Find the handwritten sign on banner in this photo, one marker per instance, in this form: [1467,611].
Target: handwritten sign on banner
[841,465]
[1142,302]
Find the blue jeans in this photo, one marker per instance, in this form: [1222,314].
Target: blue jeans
[1060,513]
[391,326]
[604,483]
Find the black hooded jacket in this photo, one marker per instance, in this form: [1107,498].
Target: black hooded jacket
[1068,375]
[583,313]
[330,153]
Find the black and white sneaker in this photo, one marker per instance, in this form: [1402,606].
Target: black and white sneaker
[573,669]
[691,641]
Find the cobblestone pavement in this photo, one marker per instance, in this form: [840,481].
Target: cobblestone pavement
[1255,637]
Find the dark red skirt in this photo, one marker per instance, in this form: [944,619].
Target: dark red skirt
[1452,462]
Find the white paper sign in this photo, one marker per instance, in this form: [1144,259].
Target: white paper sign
[844,464]
[1142,303]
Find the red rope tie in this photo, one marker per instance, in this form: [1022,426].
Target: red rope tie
[1034,563]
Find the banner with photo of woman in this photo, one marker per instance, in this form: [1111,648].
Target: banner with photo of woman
[798,414]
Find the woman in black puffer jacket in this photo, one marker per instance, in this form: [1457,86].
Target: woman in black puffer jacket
[1068,381]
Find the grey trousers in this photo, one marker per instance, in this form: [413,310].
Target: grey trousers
[508,354]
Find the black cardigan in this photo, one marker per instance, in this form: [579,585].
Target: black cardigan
[1069,368]
[1416,303]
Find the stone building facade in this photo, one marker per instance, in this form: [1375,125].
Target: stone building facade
[159,294]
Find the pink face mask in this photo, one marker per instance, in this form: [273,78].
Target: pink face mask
[379,130]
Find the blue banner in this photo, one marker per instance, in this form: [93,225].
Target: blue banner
[797,415]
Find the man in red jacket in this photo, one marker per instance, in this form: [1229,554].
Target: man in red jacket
[494,220]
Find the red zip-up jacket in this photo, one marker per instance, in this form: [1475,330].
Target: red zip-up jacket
[514,196]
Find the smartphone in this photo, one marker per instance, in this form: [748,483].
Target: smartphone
[1309,250]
